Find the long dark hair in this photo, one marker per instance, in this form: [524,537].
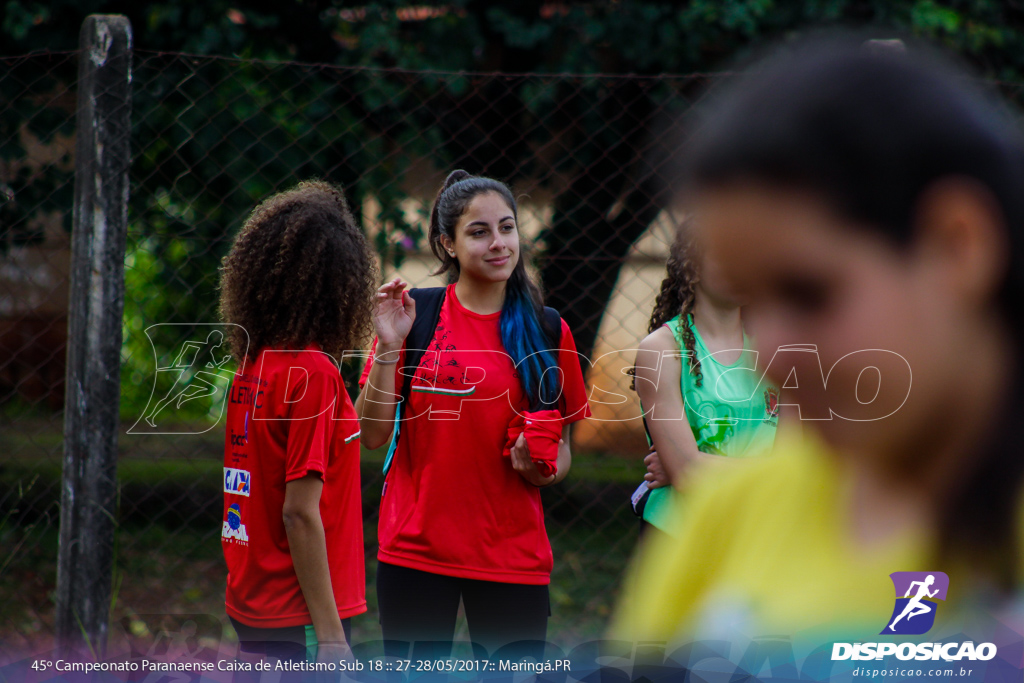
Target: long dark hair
[522,333]
[868,131]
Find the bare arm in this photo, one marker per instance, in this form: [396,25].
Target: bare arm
[658,372]
[308,545]
[564,460]
[375,406]
[377,401]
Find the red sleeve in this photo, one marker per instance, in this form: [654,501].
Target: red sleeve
[574,391]
[311,420]
[369,364]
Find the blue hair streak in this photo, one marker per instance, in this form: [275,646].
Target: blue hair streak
[526,343]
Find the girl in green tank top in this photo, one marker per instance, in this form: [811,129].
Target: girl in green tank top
[702,399]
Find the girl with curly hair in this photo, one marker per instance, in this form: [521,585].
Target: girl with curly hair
[697,379]
[483,426]
[297,287]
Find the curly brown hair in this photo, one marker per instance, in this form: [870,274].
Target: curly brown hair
[678,295]
[300,272]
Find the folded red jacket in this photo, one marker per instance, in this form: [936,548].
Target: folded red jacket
[543,429]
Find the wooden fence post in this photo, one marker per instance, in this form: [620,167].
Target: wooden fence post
[95,309]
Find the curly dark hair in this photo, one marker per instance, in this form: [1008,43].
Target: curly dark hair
[300,272]
[678,295]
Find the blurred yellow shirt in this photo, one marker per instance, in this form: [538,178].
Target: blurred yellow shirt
[765,549]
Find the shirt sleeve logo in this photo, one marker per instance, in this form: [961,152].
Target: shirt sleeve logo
[233,530]
[237,481]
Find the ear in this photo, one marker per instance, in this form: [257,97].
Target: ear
[447,244]
[960,228]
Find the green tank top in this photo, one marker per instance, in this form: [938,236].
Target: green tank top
[732,412]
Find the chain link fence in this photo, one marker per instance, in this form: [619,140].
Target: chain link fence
[213,136]
[37,140]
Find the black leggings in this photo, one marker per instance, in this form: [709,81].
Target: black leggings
[421,608]
[286,643]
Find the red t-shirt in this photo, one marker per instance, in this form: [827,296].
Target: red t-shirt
[289,415]
[452,504]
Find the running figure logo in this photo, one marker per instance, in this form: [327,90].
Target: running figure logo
[192,368]
[914,613]
[190,383]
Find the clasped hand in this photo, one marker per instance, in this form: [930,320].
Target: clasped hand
[524,465]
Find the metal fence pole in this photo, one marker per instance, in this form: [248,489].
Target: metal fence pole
[96,306]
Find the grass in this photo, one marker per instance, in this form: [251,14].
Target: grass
[169,564]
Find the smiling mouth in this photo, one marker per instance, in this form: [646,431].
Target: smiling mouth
[498,261]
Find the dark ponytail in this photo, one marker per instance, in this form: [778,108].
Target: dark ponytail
[869,131]
[450,203]
[522,333]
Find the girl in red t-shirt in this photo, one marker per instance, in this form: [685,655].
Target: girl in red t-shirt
[297,285]
[458,519]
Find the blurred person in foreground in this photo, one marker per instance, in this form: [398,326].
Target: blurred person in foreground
[869,202]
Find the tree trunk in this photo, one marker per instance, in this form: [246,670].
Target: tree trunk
[604,210]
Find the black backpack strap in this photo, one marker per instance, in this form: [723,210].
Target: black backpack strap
[551,325]
[551,322]
[428,312]
[638,501]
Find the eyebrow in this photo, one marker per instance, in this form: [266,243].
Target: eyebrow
[506,218]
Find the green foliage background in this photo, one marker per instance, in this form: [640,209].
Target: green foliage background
[208,150]
[216,132]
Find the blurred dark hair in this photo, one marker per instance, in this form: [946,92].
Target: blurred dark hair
[299,272]
[522,329]
[868,130]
